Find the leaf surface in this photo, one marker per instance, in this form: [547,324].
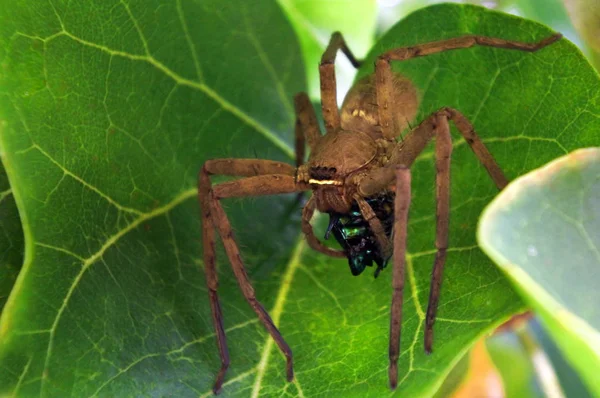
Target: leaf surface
[108,111]
[543,231]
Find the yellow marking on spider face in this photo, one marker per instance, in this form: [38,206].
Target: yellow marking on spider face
[324,182]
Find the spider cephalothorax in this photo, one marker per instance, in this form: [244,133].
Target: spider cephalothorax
[331,168]
[344,156]
[359,174]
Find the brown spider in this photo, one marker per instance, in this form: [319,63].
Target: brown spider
[357,159]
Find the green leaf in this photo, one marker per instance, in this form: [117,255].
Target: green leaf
[11,239]
[570,381]
[543,232]
[109,109]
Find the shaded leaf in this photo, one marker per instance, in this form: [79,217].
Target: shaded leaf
[514,364]
[570,381]
[543,232]
[109,109]
[455,378]
[11,240]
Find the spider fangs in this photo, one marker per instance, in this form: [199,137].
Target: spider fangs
[354,171]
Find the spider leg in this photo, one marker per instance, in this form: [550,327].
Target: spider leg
[209,255]
[313,241]
[401,205]
[264,177]
[307,130]
[415,142]
[384,73]
[405,154]
[443,152]
[329,104]
[307,126]
[467,130]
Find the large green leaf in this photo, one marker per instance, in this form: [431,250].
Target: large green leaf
[108,110]
[543,231]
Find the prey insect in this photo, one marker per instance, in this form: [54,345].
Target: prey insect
[358,174]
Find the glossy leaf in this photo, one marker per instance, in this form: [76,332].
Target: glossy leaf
[515,364]
[109,109]
[543,231]
[570,381]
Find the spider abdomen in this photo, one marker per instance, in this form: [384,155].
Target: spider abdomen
[352,232]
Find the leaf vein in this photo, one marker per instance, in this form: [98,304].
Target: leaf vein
[188,38]
[326,290]
[137,27]
[269,67]
[125,370]
[86,184]
[60,249]
[222,102]
[15,392]
[92,259]
[240,377]
[5,194]
[276,312]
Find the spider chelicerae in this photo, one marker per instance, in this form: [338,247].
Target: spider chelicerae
[359,174]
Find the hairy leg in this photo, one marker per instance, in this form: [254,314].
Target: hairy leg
[384,73]
[329,104]
[307,126]
[443,151]
[259,181]
[209,255]
[437,125]
[415,142]
[401,205]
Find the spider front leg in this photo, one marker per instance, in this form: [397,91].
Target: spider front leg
[263,177]
[384,74]
[331,114]
[307,126]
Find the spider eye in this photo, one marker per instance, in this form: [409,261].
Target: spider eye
[322,173]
